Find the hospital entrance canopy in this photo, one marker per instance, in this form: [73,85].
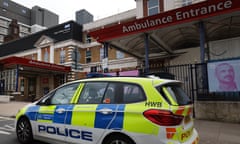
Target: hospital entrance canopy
[174,30]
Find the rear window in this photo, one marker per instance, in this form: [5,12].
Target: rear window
[174,94]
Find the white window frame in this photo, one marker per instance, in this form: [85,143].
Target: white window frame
[186,2]
[153,7]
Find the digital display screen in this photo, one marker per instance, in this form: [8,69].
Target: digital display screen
[224,76]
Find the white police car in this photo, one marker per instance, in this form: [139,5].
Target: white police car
[119,110]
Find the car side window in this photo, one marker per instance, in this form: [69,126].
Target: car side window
[64,94]
[93,93]
[109,97]
[111,93]
[133,93]
[119,93]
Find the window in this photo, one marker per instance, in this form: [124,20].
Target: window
[101,54]
[46,56]
[88,56]
[132,93]
[62,56]
[24,29]
[93,93]
[88,39]
[93,69]
[186,2]
[24,11]
[119,54]
[76,55]
[3,31]
[176,93]
[153,7]
[3,23]
[5,4]
[111,93]
[1,38]
[9,77]
[64,94]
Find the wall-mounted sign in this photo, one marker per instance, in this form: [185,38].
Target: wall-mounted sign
[195,12]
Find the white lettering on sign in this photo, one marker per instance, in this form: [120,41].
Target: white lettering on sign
[203,10]
[178,16]
[147,24]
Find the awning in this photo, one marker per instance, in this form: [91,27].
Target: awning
[171,31]
[33,65]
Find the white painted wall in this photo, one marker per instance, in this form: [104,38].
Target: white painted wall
[221,49]
[225,49]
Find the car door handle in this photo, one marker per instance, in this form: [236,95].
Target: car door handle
[60,110]
[105,111]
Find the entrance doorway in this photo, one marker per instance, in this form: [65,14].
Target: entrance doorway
[31,88]
[27,89]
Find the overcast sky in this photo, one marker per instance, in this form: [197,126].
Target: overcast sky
[66,8]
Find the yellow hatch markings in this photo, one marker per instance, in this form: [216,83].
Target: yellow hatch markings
[46,110]
[169,96]
[77,93]
[134,121]
[84,115]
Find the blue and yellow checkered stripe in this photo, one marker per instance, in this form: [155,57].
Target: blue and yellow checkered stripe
[123,117]
[81,116]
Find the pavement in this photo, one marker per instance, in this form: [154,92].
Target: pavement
[210,132]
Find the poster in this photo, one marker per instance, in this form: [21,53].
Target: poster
[224,76]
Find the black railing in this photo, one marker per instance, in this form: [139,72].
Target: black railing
[195,82]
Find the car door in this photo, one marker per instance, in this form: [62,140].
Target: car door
[54,112]
[95,112]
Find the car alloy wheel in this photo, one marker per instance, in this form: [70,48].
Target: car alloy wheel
[118,139]
[118,142]
[24,131]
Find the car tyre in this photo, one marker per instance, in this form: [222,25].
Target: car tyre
[118,139]
[24,131]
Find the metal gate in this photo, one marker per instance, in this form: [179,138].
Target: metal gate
[183,73]
[195,82]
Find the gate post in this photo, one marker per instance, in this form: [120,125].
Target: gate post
[192,87]
[146,40]
[202,41]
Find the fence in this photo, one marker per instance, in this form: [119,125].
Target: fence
[195,82]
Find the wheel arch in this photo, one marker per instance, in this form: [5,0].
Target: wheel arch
[117,134]
[23,117]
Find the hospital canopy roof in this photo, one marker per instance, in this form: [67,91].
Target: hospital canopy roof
[174,30]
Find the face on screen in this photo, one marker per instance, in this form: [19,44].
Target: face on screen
[225,73]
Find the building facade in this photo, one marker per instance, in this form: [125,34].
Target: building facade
[83,17]
[191,47]
[29,20]
[51,57]
[180,43]
[36,64]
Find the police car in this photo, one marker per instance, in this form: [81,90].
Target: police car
[110,110]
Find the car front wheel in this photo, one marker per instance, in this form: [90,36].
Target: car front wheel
[24,131]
